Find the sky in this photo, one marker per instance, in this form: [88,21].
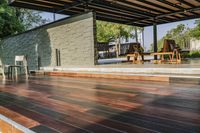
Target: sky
[148,31]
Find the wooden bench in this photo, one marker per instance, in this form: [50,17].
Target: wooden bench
[162,54]
[170,48]
[137,57]
[171,56]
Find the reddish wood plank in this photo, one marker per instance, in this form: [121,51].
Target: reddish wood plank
[101,105]
[109,76]
[19,118]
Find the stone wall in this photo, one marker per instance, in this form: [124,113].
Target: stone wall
[74,37]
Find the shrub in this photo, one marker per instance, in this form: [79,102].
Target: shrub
[192,54]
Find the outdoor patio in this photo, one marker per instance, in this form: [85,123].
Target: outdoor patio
[70,89]
[54,104]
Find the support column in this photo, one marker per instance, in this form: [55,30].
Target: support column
[54,16]
[143,38]
[155,43]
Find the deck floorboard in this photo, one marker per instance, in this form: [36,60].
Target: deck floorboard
[91,105]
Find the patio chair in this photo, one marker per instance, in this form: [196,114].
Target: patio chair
[137,52]
[20,62]
[171,49]
[171,46]
[133,51]
[2,69]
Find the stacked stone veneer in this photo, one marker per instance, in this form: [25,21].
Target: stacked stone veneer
[75,37]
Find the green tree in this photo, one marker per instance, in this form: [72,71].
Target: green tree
[195,32]
[9,23]
[181,34]
[30,19]
[15,20]
[107,32]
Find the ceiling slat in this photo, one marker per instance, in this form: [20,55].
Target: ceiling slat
[137,12]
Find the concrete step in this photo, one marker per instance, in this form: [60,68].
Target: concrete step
[171,78]
[190,71]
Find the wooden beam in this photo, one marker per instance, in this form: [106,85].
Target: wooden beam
[179,12]
[173,13]
[177,6]
[122,8]
[138,12]
[144,7]
[186,3]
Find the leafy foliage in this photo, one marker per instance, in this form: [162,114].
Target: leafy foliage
[192,54]
[107,32]
[15,20]
[181,34]
[195,32]
[30,18]
[9,23]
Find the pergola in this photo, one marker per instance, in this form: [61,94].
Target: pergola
[131,12]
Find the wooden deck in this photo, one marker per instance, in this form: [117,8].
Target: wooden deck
[92,105]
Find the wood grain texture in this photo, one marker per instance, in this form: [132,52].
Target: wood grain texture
[109,76]
[94,105]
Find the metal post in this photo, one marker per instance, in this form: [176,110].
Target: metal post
[54,16]
[155,39]
[143,37]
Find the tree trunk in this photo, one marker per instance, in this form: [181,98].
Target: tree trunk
[143,37]
[117,45]
[136,35]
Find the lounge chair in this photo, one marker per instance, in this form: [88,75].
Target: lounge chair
[20,62]
[136,51]
[170,45]
[171,49]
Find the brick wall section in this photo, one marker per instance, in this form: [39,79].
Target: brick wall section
[74,37]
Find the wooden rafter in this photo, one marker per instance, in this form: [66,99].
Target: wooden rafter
[137,12]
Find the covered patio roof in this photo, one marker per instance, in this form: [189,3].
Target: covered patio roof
[132,12]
